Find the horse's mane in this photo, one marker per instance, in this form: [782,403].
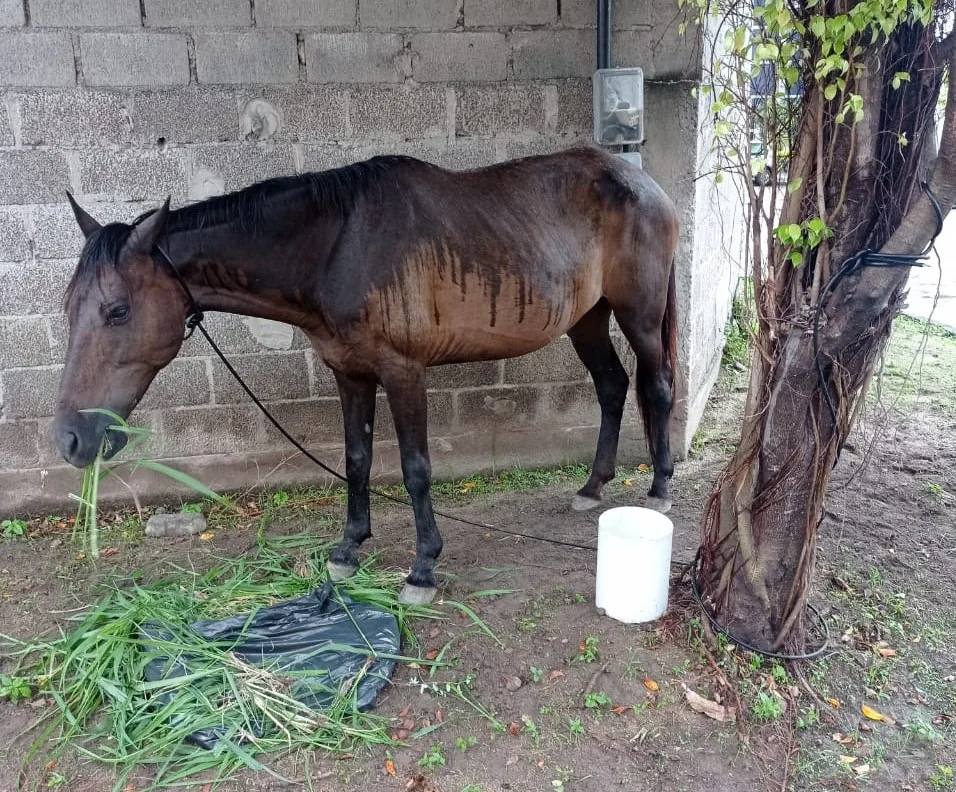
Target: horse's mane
[329,192]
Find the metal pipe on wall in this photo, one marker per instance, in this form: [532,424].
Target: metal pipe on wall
[604,34]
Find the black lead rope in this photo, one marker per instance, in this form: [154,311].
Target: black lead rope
[194,321]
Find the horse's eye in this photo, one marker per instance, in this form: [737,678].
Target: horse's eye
[117,314]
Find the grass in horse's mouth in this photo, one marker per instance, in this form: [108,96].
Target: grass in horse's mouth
[87,523]
[106,710]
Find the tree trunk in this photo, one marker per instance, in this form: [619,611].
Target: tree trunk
[760,530]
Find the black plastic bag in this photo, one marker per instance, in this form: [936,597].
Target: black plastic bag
[306,634]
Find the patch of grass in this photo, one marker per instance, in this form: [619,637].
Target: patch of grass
[434,757]
[597,700]
[588,650]
[919,368]
[13,529]
[766,707]
[15,688]
[464,743]
[943,778]
[94,672]
[575,729]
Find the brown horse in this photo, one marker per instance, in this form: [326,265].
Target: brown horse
[390,266]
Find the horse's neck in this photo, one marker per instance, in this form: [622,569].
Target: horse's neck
[237,271]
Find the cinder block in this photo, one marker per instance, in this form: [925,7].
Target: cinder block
[59,337]
[23,342]
[633,13]
[323,381]
[575,107]
[311,422]
[499,408]
[191,14]
[518,149]
[19,443]
[34,288]
[272,377]
[84,13]
[492,109]
[133,175]
[443,57]
[556,362]
[508,13]
[409,14]
[14,235]
[30,392]
[183,383]
[74,118]
[356,58]
[325,157]
[6,131]
[306,13]
[36,59]
[464,375]
[574,404]
[153,59]
[11,13]
[234,58]
[441,414]
[552,54]
[305,112]
[191,431]
[464,155]
[661,52]
[191,114]
[32,177]
[56,234]
[240,164]
[404,113]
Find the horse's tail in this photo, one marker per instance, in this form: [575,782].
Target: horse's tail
[669,325]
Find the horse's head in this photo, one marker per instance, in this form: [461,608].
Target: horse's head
[126,317]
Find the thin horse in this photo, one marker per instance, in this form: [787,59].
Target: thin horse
[390,266]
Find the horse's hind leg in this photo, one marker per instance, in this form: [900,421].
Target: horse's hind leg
[405,385]
[592,342]
[655,393]
[358,410]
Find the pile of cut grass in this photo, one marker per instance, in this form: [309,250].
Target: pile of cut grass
[107,711]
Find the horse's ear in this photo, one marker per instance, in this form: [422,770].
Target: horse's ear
[87,224]
[148,231]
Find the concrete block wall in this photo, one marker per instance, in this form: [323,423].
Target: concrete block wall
[127,101]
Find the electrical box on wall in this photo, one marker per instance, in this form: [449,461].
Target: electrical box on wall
[618,106]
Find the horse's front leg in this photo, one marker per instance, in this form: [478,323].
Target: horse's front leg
[405,387]
[358,410]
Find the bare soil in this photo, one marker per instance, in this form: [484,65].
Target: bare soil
[885,579]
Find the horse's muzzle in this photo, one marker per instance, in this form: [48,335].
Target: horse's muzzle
[79,438]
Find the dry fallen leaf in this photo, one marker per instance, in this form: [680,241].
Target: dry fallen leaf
[843,739]
[862,769]
[390,767]
[619,710]
[848,759]
[650,684]
[834,703]
[883,649]
[514,729]
[109,551]
[643,468]
[628,482]
[431,654]
[872,714]
[205,536]
[556,674]
[439,716]
[707,707]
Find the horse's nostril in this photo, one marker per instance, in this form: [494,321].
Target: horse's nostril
[69,443]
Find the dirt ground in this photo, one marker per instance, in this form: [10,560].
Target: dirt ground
[885,578]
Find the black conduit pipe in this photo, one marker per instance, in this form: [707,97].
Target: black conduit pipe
[604,34]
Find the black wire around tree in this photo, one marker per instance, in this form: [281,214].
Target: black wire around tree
[867,258]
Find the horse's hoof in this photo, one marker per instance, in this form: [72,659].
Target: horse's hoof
[662,505]
[416,595]
[339,572]
[582,503]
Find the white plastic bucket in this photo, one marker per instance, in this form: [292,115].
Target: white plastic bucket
[633,563]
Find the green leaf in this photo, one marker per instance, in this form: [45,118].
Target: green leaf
[829,93]
[795,184]
[796,258]
[817,26]
[183,478]
[816,225]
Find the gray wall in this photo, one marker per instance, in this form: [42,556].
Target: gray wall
[124,102]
